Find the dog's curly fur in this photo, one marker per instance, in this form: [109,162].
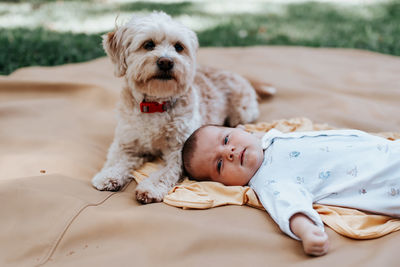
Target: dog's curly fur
[157,57]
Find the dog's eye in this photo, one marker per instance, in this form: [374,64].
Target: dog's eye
[178,47]
[149,45]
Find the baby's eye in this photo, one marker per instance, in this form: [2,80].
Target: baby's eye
[219,165]
[226,139]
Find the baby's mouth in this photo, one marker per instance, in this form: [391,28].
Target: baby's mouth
[242,156]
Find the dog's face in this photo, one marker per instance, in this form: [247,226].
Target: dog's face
[156,55]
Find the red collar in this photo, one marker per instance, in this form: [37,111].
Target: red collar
[152,107]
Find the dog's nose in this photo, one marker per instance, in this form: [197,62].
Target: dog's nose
[165,63]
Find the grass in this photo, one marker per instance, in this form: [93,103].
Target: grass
[374,27]
[24,47]
[315,25]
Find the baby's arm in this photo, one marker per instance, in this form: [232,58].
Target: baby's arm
[290,206]
[315,241]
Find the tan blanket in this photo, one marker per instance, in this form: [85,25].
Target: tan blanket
[56,125]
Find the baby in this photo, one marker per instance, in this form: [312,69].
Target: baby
[291,171]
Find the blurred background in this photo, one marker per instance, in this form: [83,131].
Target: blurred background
[54,32]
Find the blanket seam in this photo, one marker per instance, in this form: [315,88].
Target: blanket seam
[57,241]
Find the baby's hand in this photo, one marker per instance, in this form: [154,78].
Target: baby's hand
[315,242]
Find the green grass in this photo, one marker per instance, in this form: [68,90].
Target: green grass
[375,27]
[316,25]
[23,47]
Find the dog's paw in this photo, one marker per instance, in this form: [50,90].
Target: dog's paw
[146,197]
[148,193]
[109,179]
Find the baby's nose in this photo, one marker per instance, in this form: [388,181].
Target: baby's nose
[230,153]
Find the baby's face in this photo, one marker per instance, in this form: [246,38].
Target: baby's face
[227,155]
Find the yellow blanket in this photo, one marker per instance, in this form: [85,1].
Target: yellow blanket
[203,195]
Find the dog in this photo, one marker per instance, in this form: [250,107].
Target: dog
[165,97]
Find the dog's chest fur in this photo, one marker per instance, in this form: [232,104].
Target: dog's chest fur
[148,132]
[153,133]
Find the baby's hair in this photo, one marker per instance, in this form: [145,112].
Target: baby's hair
[188,149]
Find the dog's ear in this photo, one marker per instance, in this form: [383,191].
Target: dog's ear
[194,40]
[112,43]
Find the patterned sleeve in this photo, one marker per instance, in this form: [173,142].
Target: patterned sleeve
[283,200]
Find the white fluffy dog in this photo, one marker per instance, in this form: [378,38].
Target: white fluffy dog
[165,98]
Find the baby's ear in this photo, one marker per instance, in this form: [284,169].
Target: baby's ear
[113,45]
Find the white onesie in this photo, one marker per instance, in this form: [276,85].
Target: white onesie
[347,168]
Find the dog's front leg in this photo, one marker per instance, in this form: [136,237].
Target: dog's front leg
[154,188]
[117,169]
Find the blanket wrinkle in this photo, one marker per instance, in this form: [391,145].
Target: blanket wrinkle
[204,195]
